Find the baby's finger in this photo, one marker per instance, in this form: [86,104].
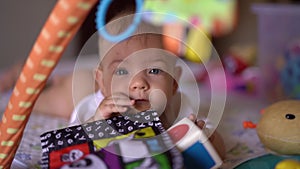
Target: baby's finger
[120,102]
[120,96]
[119,109]
[200,123]
[121,99]
[107,111]
[192,117]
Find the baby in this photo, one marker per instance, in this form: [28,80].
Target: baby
[137,74]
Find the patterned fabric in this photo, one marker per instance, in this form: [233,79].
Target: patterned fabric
[62,24]
[118,142]
[29,152]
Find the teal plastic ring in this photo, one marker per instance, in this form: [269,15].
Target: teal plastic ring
[100,21]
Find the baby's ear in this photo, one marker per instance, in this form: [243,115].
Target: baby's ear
[99,79]
[177,75]
[178,72]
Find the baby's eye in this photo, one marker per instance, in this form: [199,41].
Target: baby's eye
[155,71]
[121,72]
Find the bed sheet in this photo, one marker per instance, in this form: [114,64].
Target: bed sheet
[29,152]
[241,144]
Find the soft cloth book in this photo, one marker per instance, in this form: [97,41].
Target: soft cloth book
[131,141]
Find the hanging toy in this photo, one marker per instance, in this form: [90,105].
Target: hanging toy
[174,33]
[204,19]
[214,16]
[198,47]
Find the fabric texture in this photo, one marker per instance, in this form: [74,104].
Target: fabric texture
[125,141]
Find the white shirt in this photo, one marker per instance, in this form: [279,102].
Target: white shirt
[86,108]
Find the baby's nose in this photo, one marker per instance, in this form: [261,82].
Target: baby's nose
[139,82]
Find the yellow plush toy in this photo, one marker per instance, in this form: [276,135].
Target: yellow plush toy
[279,127]
[288,164]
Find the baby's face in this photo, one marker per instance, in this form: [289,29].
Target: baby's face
[141,70]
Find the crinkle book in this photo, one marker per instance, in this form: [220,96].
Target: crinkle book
[136,141]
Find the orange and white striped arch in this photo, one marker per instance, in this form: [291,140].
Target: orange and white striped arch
[62,24]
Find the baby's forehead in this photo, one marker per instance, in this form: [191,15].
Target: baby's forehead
[135,44]
[148,47]
[145,56]
[147,40]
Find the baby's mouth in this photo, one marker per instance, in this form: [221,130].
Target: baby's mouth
[141,100]
[142,104]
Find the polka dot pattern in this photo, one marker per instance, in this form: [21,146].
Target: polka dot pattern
[61,26]
[18,117]
[2,156]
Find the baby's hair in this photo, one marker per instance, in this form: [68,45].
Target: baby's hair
[118,7]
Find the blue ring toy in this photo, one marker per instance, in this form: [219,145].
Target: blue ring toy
[102,9]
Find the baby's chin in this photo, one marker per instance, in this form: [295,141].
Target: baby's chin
[142,106]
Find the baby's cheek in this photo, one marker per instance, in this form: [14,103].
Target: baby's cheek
[121,86]
[158,100]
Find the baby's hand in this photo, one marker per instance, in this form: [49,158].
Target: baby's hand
[199,123]
[115,104]
[215,138]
